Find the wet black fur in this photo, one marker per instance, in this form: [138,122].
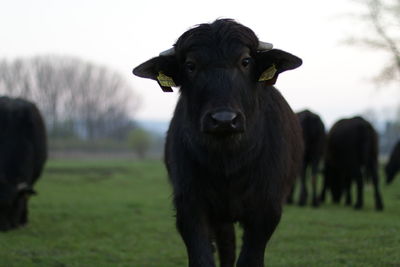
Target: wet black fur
[242,177]
[23,152]
[351,155]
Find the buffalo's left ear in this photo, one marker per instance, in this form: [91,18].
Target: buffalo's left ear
[272,62]
[163,69]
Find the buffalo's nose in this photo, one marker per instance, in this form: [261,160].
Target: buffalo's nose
[223,122]
[224,117]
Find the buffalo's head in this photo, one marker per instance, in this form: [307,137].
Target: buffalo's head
[13,204]
[390,171]
[220,68]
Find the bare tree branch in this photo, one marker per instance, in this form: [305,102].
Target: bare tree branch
[376,8]
[383,16]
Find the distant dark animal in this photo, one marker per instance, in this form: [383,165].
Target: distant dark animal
[393,165]
[23,153]
[314,142]
[351,155]
[234,145]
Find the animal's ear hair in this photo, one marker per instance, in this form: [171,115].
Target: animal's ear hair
[273,62]
[163,69]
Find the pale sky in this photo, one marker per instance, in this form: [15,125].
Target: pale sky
[334,80]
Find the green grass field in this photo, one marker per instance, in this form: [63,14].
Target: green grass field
[119,213]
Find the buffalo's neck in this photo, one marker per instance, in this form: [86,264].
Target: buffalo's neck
[223,157]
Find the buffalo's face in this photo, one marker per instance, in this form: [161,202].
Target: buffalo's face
[219,68]
[390,173]
[13,205]
[220,92]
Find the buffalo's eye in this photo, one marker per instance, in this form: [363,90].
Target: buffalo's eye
[190,66]
[246,62]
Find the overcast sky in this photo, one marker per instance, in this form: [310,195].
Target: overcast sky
[334,81]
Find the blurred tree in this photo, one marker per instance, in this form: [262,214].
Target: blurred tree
[140,141]
[74,96]
[15,78]
[383,16]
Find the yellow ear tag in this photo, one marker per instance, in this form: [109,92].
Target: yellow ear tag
[165,80]
[268,74]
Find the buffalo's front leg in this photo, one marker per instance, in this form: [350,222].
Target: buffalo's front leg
[314,173]
[375,181]
[303,188]
[225,237]
[360,189]
[257,231]
[195,231]
[325,185]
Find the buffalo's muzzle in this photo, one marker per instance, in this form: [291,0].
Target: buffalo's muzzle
[223,122]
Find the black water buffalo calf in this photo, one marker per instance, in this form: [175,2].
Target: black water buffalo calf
[351,155]
[234,145]
[314,142]
[393,165]
[23,153]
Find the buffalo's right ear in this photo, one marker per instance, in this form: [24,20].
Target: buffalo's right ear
[163,69]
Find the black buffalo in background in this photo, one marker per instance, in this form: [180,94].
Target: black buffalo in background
[351,155]
[23,152]
[393,165]
[234,145]
[314,143]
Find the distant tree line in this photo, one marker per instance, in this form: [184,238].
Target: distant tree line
[77,98]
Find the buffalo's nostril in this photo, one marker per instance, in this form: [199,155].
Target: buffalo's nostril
[235,122]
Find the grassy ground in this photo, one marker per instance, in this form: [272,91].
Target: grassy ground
[119,213]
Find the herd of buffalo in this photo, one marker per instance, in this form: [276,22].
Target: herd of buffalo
[233,149]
